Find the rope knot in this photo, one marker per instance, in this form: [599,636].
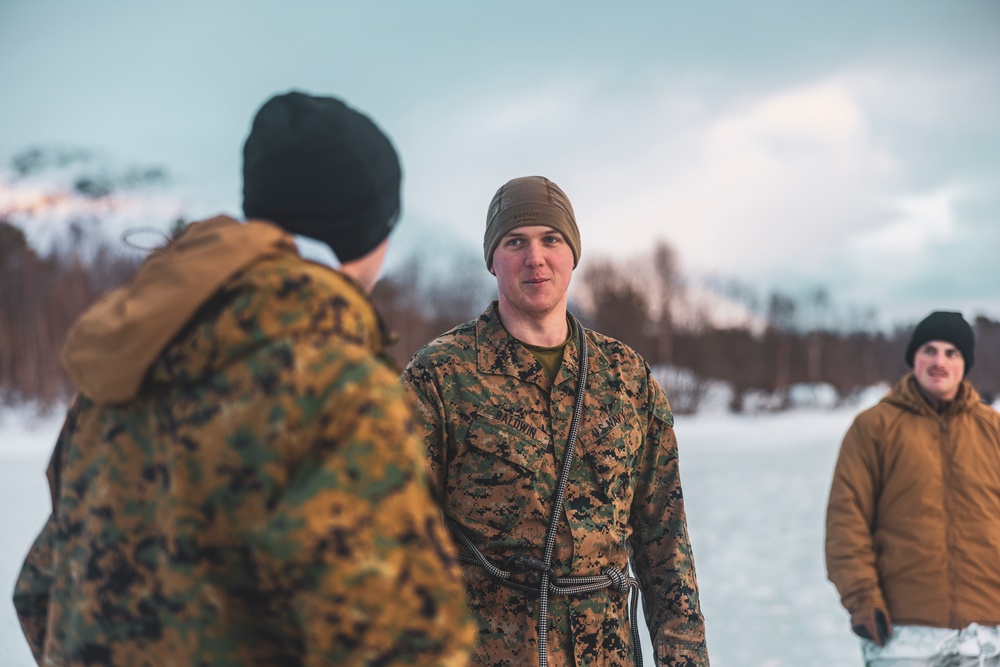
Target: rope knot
[619,580]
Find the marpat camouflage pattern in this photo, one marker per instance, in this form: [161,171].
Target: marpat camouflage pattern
[261,501]
[496,430]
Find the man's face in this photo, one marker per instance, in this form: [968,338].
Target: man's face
[939,368]
[533,266]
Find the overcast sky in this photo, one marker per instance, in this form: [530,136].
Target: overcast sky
[785,144]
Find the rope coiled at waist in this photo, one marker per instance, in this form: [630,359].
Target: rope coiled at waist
[610,578]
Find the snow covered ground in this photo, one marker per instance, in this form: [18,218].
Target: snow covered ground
[755,492]
[755,489]
[25,444]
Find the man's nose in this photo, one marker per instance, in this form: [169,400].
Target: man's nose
[533,255]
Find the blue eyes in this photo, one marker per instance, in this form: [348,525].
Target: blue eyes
[548,240]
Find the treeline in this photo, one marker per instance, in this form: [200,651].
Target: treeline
[759,348]
[40,298]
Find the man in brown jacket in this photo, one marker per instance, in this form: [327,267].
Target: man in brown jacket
[913,522]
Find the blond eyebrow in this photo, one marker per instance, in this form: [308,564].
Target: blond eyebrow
[517,232]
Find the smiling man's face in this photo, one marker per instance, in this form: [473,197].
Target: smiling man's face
[533,266]
[939,368]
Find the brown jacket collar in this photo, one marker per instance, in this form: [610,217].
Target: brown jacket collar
[907,395]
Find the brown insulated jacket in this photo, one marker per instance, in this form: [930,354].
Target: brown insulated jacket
[913,522]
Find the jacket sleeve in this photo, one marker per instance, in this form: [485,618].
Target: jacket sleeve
[662,557]
[430,416]
[850,515]
[358,549]
[32,589]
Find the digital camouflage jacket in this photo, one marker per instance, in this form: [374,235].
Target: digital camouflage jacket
[496,434]
[251,490]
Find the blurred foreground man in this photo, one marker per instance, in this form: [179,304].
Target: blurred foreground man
[913,523]
[240,480]
[553,451]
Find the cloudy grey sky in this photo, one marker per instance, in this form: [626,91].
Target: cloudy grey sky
[788,145]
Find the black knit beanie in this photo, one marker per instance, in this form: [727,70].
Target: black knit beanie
[316,167]
[946,326]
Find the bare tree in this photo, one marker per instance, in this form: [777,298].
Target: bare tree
[619,306]
[418,305]
[985,373]
[668,290]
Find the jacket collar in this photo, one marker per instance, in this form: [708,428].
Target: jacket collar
[499,353]
[907,394]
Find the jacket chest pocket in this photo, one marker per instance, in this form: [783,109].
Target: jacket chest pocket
[614,452]
[492,478]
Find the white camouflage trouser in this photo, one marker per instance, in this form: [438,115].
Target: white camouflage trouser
[921,646]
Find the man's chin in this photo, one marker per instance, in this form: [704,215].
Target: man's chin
[939,389]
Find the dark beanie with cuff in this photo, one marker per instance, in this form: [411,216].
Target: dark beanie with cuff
[947,326]
[528,201]
[316,167]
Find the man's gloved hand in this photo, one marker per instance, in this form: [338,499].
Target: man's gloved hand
[872,623]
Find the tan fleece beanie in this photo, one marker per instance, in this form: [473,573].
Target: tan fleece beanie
[527,201]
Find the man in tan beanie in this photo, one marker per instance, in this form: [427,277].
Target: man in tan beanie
[552,450]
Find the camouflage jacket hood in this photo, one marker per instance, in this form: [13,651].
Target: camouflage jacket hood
[140,332]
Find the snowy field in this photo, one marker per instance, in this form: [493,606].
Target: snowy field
[755,489]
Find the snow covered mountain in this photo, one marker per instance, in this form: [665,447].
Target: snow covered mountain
[70,200]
